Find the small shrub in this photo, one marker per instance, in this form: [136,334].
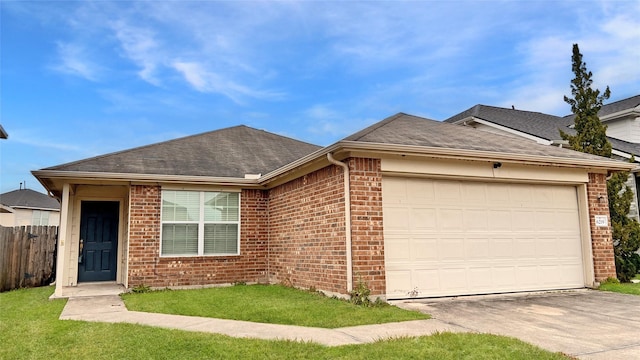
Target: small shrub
[141,289]
[360,294]
[239,283]
[610,280]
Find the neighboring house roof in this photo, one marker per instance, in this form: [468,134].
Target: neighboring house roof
[533,123]
[28,199]
[403,129]
[3,133]
[543,126]
[232,152]
[624,105]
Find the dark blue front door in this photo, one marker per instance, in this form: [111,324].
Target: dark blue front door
[98,241]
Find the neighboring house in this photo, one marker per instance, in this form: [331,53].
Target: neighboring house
[28,207]
[3,133]
[432,209]
[621,117]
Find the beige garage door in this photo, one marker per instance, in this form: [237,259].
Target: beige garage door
[445,238]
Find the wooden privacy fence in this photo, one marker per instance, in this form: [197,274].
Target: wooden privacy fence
[27,256]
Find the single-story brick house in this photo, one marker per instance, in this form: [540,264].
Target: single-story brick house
[433,209]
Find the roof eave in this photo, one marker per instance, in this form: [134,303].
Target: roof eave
[43,175]
[480,155]
[618,114]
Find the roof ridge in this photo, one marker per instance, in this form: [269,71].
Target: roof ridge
[625,99]
[171,141]
[364,132]
[526,111]
[140,147]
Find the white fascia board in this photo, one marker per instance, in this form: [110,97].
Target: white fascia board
[615,115]
[622,154]
[6,209]
[537,139]
[154,178]
[35,208]
[483,155]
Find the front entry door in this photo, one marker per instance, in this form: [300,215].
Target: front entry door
[98,241]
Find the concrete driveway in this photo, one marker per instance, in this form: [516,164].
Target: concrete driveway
[584,323]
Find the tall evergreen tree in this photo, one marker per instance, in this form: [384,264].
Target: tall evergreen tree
[591,134]
[625,230]
[591,137]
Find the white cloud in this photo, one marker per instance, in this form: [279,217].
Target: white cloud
[140,46]
[74,60]
[206,80]
[27,137]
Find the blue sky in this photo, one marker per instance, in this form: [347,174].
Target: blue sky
[80,79]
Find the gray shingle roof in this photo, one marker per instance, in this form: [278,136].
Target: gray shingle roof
[614,107]
[27,198]
[546,126]
[231,152]
[533,123]
[403,129]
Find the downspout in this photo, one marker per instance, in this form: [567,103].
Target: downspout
[347,219]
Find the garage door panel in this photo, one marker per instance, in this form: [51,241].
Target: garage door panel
[396,219]
[499,220]
[544,220]
[504,277]
[446,191]
[422,218]
[501,248]
[521,221]
[450,219]
[423,249]
[475,193]
[397,249]
[476,220]
[526,248]
[474,238]
[401,282]
[477,249]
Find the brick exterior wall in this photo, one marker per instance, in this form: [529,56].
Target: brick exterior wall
[367,238]
[601,240]
[148,268]
[307,232]
[295,234]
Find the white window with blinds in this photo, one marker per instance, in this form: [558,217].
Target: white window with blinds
[40,218]
[196,223]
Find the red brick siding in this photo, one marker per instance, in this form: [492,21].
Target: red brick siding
[148,268]
[307,236]
[601,240]
[367,238]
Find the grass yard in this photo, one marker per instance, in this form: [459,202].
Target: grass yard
[624,288]
[274,304]
[30,329]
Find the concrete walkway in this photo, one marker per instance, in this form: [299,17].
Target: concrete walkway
[111,309]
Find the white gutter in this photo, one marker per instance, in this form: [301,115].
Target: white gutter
[347,218]
[625,112]
[156,178]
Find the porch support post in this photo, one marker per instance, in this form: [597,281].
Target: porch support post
[61,257]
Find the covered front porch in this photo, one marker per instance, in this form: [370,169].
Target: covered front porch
[93,240]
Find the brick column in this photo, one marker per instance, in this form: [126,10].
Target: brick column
[144,234]
[601,241]
[367,238]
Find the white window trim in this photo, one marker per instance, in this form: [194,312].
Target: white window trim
[201,223]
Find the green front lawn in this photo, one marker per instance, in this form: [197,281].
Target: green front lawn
[273,304]
[624,288]
[30,329]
